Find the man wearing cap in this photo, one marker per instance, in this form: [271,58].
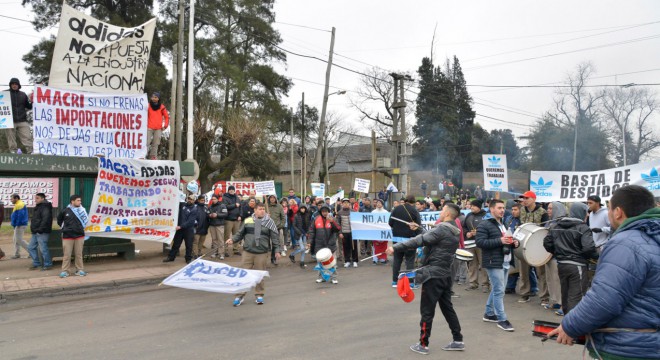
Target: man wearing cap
[531,212]
[475,266]
[233,219]
[20,102]
[350,246]
[159,120]
[598,221]
[185,229]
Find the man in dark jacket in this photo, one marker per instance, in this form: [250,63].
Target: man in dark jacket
[350,246]
[41,227]
[476,269]
[440,246]
[403,232]
[72,221]
[622,308]
[217,215]
[496,252]
[233,219]
[276,213]
[323,234]
[20,102]
[202,227]
[185,229]
[571,243]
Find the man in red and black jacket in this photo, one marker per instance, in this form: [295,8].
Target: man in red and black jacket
[323,234]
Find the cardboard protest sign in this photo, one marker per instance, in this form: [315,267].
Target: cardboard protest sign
[96,56]
[495,173]
[27,188]
[76,123]
[361,185]
[135,199]
[6,111]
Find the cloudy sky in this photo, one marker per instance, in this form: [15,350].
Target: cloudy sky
[499,43]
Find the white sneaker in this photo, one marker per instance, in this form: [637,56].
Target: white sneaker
[284,248]
[319,280]
[334,281]
[347,265]
[283,253]
[222,257]
[354,264]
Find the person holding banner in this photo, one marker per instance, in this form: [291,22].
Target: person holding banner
[401,232]
[20,102]
[185,230]
[440,246]
[158,121]
[72,221]
[379,247]
[258,234]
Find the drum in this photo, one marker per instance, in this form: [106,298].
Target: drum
[325,257]
[543,328]
[470,243]
[531,247]
[464,255]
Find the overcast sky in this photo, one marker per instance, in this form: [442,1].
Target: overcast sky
[498,43]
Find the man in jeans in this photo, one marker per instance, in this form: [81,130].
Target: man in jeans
[496,253]
[41,226]
[19,221]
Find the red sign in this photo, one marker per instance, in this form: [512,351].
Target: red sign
[242,187]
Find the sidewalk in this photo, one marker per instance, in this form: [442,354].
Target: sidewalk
[104,271]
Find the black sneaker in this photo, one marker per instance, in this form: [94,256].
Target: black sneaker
[167,259]
[292,258]
[505,325]
[490,318]
[524,299]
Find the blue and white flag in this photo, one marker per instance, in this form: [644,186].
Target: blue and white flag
[215,277]
[375,226]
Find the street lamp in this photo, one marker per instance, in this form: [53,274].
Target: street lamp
[327,171]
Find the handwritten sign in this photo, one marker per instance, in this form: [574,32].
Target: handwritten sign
[6,114]
[318,189]
[75,123]
[96,56]
[265,188]
[27,188]
[361,185]
[135,199]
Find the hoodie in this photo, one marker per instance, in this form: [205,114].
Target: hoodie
[19,102]
[570,241]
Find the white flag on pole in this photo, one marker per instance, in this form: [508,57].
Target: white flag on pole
[215,277]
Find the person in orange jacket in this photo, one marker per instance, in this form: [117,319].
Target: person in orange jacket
[159,120]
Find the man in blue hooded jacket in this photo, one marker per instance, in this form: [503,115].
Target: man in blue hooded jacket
[622,308]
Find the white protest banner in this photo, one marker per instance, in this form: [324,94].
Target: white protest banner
[6,112]
[135,199]
[375,226]
[495,173]
[318,189]
[27,188]
[265,188]
[215,277]
[336,197]
[96,56]
[392,188]
[75,123]
[577,186]
[361,185]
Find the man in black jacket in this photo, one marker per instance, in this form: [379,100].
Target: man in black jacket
[202,227]
[572,244]
[233,219]
[20,102]
[185,229]
[440,246]
[41,226]
[402,232]
[496,252]
[217,215]
[475,266]
[72,221]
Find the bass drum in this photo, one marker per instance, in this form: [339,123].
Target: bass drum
[531,247]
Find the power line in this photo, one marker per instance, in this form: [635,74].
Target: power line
[512,111]
[302,26]
[554,86]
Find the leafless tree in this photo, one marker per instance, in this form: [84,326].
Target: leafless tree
[630,114]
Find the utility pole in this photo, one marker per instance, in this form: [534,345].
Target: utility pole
[179,84]
[404,134]
[191,83]
[374,162]
[395,130]
[321,133]
[303,165]
[577,122]
[170,149]
[291,135]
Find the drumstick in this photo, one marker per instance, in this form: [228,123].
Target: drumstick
[373,256]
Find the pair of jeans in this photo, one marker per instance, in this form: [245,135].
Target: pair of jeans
[292,234]
[495,302]
[303,243]
[40,241]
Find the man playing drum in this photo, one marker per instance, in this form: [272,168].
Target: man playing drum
[440,245]
[531,212]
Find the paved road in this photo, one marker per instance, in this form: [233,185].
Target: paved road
[361,318]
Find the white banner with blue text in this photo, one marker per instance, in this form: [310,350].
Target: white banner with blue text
[215,277]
